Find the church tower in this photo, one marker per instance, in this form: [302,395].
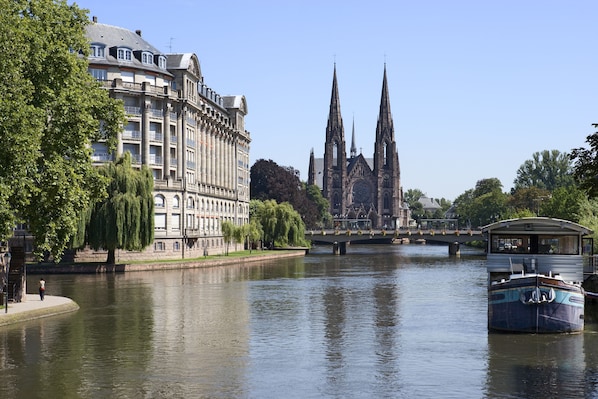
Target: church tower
[335,157]
[364,191]
[386,163]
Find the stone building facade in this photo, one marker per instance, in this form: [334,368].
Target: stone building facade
[192,138]
[358,187]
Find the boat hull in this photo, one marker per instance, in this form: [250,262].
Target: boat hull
[536,304]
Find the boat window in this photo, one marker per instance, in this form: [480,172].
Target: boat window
[536,244]
[560,245]
[510,244]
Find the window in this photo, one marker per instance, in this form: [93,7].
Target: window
[147,58]
[176,246]
[124,54]
[159,201]
[127,76]
[176,221]
[162,62]
[176,202]
[99,74]
[159,246]
[160,221]
[97,51]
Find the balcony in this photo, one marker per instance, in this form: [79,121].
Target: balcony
[131,110]
[155,136]
[134,135]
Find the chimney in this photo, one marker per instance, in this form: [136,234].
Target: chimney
[138,31]
[94,19]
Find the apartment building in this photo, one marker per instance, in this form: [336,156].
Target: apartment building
[191,137]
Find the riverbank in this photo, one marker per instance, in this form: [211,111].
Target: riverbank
[34,308]
[217,260]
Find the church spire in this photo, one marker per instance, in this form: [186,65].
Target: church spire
[353,148]
[335,121]
[311,173]
[385,126]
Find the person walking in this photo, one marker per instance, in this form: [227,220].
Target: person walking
[42,288]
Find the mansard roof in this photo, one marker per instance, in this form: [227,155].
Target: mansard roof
[114,36]
[185,61]
[236,102]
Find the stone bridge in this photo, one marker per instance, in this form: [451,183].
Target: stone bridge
[339,238]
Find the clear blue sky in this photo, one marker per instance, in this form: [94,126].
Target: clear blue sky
[476,87]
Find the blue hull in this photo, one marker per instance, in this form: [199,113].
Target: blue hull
[536,304]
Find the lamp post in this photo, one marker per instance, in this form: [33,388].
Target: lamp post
[7,257]
[205,244]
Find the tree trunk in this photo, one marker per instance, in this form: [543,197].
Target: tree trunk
[111,257]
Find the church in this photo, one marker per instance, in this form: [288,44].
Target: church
[361,190]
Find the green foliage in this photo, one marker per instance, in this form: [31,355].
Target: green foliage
[546,170]
[51,110]
[585,167]
[565,203]
[228,233]
[271,181]
[282,226]
[125,219]
[412,197]
[484,204]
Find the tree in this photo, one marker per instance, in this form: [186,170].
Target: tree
[412,197]
[565,203]
[228,233]
[51,110]
[528,198]
[484,204]
[546,170]
[271,181]
[585,165]
[282,226]
[125,219]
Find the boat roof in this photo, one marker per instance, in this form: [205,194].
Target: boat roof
[536,224]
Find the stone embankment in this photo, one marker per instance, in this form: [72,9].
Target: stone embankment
[162,265]
[34,308]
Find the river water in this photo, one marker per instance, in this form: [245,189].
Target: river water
[402,321]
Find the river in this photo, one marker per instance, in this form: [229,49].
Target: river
[386,321]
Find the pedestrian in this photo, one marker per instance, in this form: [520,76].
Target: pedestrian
[42,288]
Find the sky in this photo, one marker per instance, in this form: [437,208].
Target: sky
[476,87]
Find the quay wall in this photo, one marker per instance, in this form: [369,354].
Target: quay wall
[223,260]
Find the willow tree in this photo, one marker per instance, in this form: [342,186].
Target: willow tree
[125,219]
[50,109]
[281,224]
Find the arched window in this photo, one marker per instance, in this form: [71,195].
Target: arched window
[335,154]
[176,201]
[386,201]
[159,201]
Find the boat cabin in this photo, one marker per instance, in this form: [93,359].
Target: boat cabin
[537,245]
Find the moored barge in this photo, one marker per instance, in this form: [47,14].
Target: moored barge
[535,271]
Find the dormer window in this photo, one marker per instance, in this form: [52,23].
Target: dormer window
[162,62]
[147,58]
[124,54]
[97,51]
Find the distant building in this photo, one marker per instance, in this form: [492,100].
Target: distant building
[355,186]
[192,138]
[429,204]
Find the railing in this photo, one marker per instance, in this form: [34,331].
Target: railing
[131,110]
[156,136]
[132,135]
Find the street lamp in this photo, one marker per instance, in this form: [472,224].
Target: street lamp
[7,257]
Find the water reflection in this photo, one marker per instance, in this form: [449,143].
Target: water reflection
[384,322]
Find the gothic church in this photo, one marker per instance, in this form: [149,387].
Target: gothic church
[357,187]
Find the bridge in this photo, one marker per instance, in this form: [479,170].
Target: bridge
[339,238]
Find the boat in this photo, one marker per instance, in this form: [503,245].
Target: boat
[535,272]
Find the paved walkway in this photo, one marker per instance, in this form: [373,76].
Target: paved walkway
[34,308]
